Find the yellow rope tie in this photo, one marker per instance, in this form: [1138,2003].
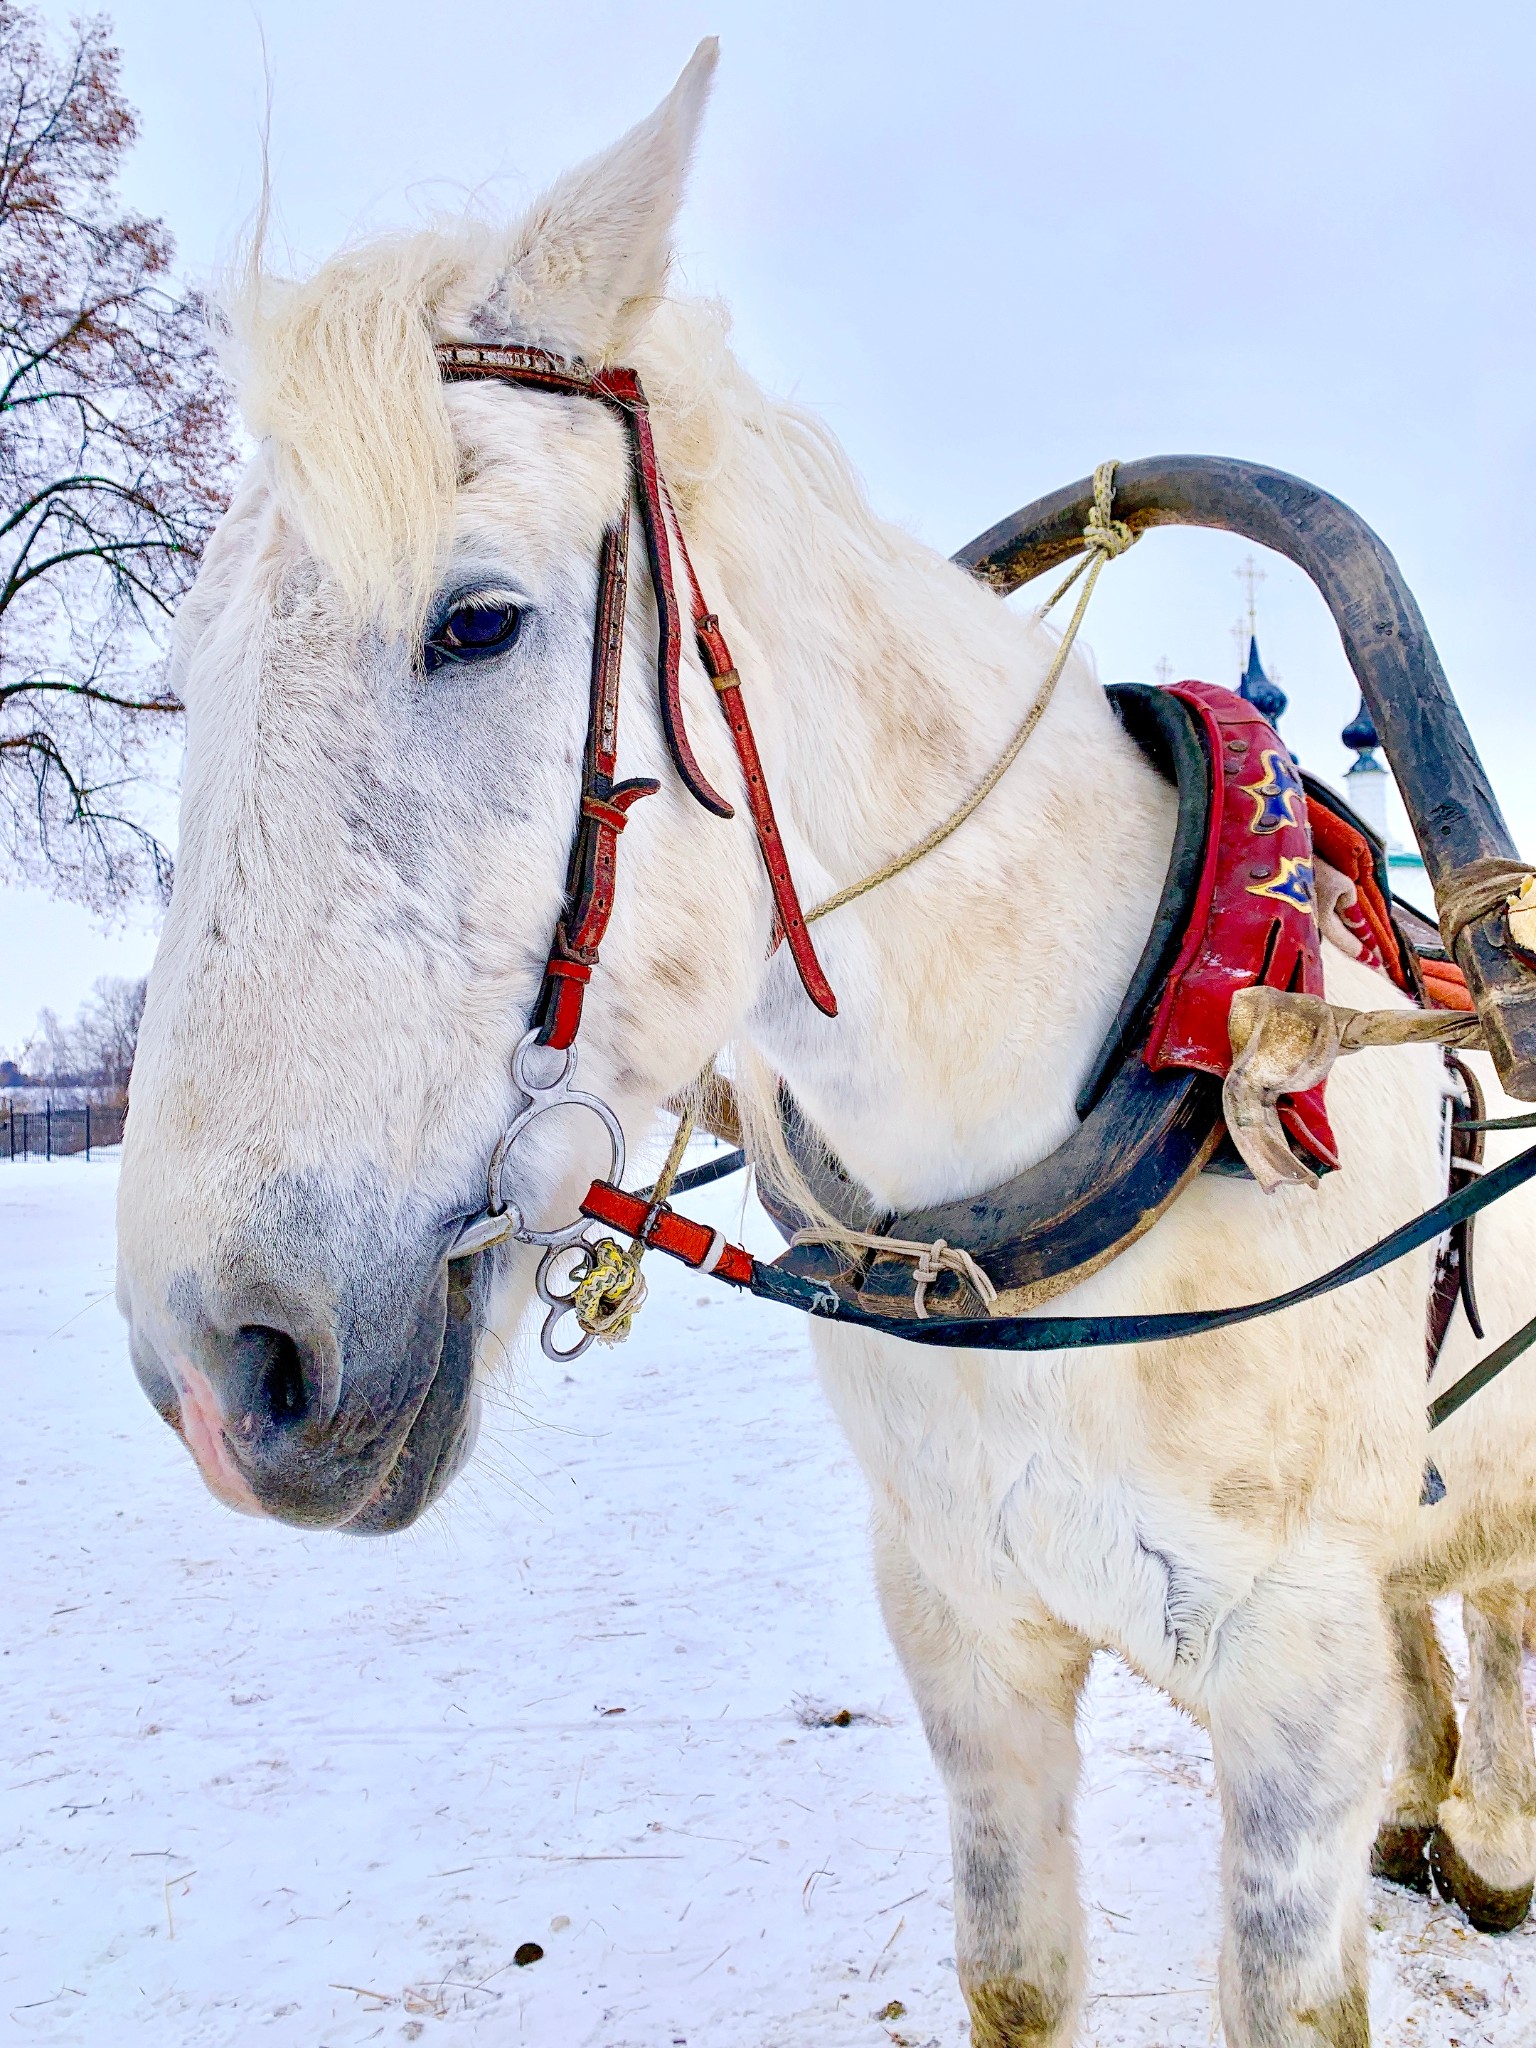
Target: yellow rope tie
[931,1260]
[1104,537]
[609,1293]
[607,1297]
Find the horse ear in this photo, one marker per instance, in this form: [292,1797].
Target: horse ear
[587,264]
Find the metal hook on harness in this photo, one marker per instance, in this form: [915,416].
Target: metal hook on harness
[500,1220]
[603,1290]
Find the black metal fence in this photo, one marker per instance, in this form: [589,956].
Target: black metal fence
[55,1133]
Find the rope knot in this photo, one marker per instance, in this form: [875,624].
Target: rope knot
[929,1261]
[1111,537]
[940,1257]
[608,1293]
[1104,533]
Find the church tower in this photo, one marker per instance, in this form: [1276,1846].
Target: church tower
[1256,688]
[1365,790]
[1366,781]
[1267,698]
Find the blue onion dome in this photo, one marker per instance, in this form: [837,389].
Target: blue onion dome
[1267,698]
[1360,734]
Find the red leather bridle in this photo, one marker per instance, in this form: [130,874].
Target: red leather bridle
[605,804]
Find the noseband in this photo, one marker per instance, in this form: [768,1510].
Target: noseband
[605,803]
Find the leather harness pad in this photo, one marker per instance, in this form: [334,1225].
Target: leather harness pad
[1253,919]
[1237,908]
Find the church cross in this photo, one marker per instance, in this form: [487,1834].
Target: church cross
[1250,575]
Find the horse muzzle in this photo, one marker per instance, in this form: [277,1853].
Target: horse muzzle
[332,1405]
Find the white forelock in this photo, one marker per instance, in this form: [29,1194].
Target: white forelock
[336,371]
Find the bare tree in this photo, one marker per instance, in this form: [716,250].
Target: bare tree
[97,1050]
[107,1030]
[115,460]
[49,1054]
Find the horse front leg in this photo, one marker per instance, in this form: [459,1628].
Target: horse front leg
[1299,1696]
[1426,1751]
[1484,1851]
[999,1710]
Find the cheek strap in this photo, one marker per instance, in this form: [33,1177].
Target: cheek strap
[605,804]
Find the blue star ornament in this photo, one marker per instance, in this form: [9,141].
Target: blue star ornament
[1294,884]
[1278,794]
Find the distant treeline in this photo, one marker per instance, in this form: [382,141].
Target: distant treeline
[95,1052]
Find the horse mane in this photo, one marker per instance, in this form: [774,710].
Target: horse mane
[336,378]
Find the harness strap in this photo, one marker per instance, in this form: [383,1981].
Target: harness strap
[1453,1279]
[592,875]
[693,1243]
[1476,1377]
[621,388]
[652,1223]
[592,872]
[722,672]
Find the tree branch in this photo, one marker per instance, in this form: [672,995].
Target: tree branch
[89,692]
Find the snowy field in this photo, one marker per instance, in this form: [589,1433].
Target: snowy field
[309,1791]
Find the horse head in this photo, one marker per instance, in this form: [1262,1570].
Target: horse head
[386,663]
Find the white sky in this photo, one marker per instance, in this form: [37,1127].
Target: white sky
[992,248]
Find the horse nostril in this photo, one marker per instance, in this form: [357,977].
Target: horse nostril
[280,1393]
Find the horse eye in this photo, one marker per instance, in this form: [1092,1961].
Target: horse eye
[471,632]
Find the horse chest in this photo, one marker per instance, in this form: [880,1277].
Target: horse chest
[1017,1503]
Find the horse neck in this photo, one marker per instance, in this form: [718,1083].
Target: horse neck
[975,988]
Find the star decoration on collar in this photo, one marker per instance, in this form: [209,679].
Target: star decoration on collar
[1294,884]
[1277,794]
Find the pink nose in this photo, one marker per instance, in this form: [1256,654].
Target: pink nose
[202,1426]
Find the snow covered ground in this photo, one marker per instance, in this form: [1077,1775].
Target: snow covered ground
[263,1786]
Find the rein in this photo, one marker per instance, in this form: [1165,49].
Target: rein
[1104,538]
[697,1246]
[603,1288]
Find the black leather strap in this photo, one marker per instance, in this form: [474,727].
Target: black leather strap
[1081,1333]
[813,1296]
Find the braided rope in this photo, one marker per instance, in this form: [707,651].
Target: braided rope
[1104,537]
[608,1295]
[931,1260]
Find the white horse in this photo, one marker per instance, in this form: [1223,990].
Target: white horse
[373,853]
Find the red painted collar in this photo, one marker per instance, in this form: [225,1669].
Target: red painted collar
[1254,915]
